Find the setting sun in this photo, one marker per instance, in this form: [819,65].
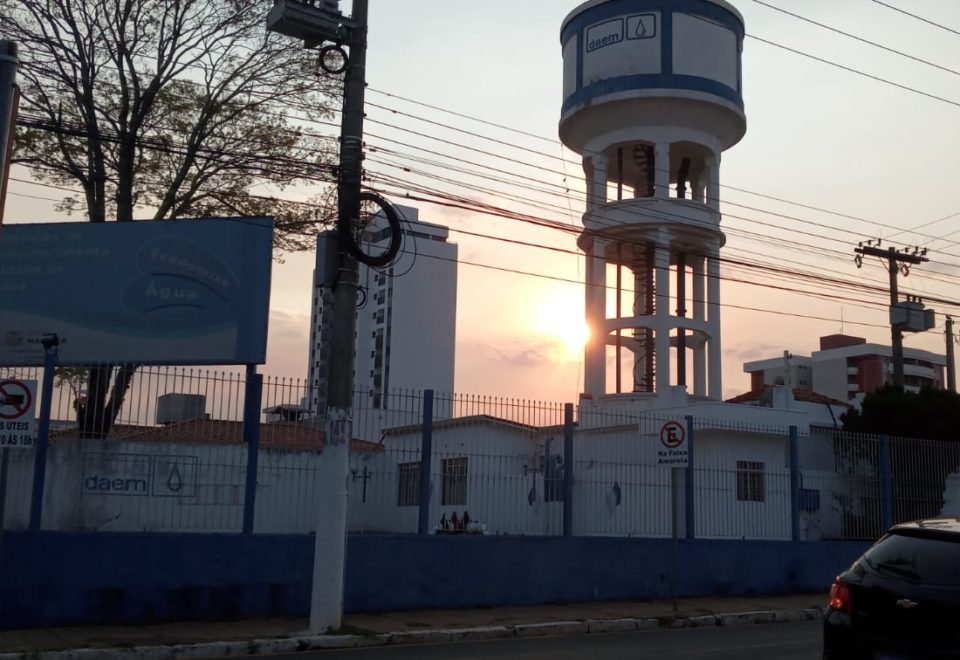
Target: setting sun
[559,315]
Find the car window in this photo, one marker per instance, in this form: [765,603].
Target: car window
[926,560]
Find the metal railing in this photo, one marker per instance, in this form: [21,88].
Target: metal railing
[179,459]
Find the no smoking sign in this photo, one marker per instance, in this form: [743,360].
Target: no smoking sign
[17,420]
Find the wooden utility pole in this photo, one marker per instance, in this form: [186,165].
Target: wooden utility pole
[897,261]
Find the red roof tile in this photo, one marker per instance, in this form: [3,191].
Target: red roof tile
[279,435]
[805,396]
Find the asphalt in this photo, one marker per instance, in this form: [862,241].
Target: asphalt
[220,639]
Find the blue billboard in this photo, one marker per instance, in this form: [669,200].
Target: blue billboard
[147,292]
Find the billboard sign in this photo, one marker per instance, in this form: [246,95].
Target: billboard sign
[148,292]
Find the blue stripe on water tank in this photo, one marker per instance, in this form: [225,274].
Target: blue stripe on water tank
[651,81]
[612,8]
[666,43]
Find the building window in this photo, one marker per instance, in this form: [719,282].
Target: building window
[750,487]
[379,316]
[454,482]
[408,493]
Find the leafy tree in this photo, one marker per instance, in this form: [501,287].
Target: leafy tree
[924,432]
[74,378]
[165,109]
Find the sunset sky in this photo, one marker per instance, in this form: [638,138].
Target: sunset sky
[876,160]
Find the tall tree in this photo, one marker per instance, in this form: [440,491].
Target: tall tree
[924,438]
[165,109]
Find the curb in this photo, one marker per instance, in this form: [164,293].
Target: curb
[322,642]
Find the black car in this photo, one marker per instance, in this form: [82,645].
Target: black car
[901,599]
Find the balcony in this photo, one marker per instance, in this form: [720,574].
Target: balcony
[644,215]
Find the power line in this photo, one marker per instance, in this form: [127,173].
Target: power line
[919,18]
[566,226]
[858,38]
[855,71]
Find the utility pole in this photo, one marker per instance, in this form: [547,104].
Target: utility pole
[315,23]
[903,316]
[9,95]
[951,360]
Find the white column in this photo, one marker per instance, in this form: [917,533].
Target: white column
[713,183]
[330,541]
[661,339]
[595,169]
[595,357]
[699,314]
[713,322]
[661,161]
[700,189]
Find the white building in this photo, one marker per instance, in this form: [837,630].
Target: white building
[406,324]
[847,368]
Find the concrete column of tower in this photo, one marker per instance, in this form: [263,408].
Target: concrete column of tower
[595,354]
[713,323]
[661,163]
[642,307]
[662,324]
[713,183]
[699,314]
[596,181]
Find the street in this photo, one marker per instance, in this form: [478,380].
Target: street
[794,641]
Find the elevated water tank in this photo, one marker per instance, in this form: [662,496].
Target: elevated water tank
[653,62]
[652,97]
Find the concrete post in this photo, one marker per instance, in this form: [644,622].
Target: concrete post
[8,108]
[596,309]
[699,314]
[662,174]
[713,183]
[715,353]
[661,340]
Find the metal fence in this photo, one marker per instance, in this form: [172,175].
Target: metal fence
[180,458]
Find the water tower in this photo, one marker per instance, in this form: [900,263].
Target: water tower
[651,99]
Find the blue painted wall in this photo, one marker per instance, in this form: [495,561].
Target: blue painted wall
[53,578]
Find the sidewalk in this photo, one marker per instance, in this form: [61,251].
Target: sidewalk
[211,640]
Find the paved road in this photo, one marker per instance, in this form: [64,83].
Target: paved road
[794,641]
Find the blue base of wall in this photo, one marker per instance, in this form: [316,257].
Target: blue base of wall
[52,578]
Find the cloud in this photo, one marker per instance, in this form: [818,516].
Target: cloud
[753,351]
[287,344]
[516,352]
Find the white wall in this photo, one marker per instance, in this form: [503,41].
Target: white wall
[99,485]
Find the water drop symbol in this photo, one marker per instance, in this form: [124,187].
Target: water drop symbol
[641,28]
[175,481]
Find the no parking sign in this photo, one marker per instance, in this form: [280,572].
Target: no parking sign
[674,451]
[17,420]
